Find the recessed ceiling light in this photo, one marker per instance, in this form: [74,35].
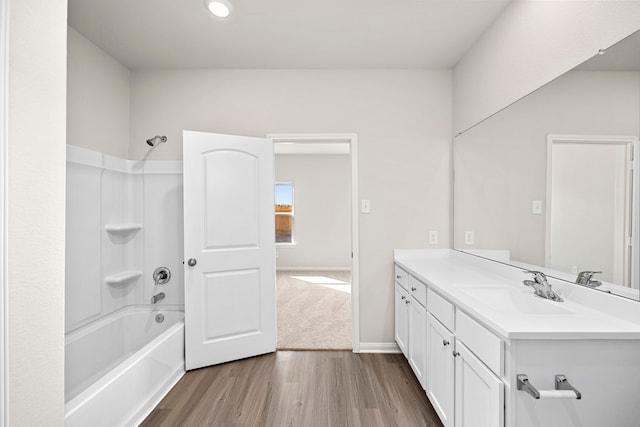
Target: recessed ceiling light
[219,8]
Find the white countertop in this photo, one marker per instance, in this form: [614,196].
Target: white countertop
[486,290]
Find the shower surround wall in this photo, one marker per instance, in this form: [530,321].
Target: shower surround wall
[124,219]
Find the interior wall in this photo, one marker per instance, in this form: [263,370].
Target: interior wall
[322,210]
[530,44]
[402,119]
[500,165]
[97,98]
[36,187]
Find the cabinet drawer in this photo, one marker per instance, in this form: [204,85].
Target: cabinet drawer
[418,290]
[441,309]
[483,343]
[401,277]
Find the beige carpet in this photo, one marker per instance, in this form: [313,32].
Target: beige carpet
[314,311]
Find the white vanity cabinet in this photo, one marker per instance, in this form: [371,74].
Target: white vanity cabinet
[499,356]
[462,389]
[440,366]
[479,394]
[417,328]
[402,310]
[410,321]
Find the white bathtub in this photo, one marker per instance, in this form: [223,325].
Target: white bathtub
[118,368]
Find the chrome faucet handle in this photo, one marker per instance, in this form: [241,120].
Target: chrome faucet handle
[538,276]
[584,278]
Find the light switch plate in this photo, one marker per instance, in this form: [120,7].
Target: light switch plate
[366,206]
[536,207]
[433,237]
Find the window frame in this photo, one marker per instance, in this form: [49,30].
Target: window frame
[291,214]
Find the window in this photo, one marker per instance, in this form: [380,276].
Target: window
[284,212]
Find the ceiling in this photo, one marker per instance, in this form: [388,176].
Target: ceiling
[285,33]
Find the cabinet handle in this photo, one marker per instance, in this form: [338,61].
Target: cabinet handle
[413,289]
[445,342]
[407,302]
[456,354]
[398,276]
[403,297]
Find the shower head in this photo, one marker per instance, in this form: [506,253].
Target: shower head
[156,140]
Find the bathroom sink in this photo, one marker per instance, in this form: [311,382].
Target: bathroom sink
[511,300]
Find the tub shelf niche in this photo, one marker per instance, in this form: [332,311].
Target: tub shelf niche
[122,228]
[122,278]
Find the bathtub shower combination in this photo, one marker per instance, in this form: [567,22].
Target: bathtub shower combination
[119,368]
[124,315]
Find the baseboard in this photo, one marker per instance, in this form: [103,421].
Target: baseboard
[313,268]
[379,347]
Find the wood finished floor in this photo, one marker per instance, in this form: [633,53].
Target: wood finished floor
[299,388]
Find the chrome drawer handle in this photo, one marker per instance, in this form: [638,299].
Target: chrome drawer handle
[403,297]
[413,289]
[456,353]
[445,342]
[407,302]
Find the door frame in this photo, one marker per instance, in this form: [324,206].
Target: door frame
[352,140]
[631,142]
[4,209]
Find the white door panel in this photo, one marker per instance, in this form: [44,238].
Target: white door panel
[229,231]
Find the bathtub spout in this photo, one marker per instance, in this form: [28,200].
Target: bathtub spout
[157,298]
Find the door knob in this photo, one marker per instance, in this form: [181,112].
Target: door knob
[192,262]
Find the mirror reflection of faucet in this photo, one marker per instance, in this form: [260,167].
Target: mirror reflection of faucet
[541,286]
[584,279]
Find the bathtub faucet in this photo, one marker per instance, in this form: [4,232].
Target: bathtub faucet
[157,298]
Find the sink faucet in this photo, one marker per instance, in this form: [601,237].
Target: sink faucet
[541,286]
[584,279]
[157,298]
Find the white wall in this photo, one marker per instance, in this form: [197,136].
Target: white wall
[97,98]
[500,165]
[322,205]
[530,44]
[402,119]
[37,105]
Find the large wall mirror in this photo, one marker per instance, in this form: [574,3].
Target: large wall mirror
[549,181]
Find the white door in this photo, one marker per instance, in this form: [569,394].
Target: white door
[229,248]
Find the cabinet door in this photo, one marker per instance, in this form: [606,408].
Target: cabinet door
[479,397]
[401,319]
[440,369]
[417,338]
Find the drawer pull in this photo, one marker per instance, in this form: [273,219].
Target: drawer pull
[456,353]
[398,276]
[563,389]
[413,289]
[445,342]
[403,297]
[407,302]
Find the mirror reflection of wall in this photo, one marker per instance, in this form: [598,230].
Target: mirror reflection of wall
[502,166]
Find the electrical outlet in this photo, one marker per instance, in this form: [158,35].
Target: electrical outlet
[468,238]
[433,237]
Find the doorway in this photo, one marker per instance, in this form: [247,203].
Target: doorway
[592,196]
[317,254]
